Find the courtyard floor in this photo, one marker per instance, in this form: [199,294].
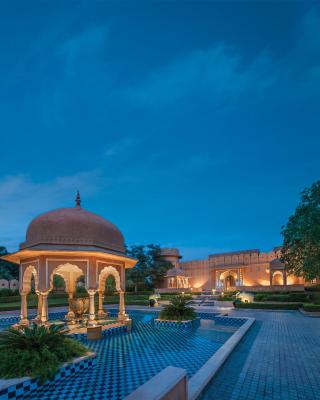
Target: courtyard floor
[278,359]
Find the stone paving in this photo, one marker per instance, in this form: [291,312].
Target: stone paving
[278,359]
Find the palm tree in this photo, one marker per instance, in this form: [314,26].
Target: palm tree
[36,351]
[179,309]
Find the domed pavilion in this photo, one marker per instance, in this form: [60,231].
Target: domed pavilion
[176,278]
[71,242]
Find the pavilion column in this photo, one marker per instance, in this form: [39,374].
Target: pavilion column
[122,312]
[284,274]
[39,306]
[70,316]
[44,310]
[101,312]
[92,311]
[24,310]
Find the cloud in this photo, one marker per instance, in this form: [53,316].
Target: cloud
[217,72]
[122,146]
[21,199]
[84,49]
[221,74]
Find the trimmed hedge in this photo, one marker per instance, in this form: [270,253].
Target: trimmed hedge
[311,307]
[292,297]
[62,300]
[5,292]
[269,306]
[315,297]
[147,292]
[314,288]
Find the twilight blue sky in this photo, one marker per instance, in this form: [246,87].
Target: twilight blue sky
[188,124]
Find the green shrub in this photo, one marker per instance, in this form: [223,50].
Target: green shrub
[315,297]
[80,290]
[9,299]
[313,288]
[291,297]
[179,309]
[269,306]
[37,351]
[145,293]
[8,292]
[311,307]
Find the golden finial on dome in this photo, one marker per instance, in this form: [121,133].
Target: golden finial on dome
[78,200]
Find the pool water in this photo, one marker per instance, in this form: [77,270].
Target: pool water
[127,360]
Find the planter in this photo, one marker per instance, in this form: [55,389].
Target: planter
[105,332]
[177,324]
[94,332]
[18,388]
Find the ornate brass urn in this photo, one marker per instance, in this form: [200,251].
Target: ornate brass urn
[79,306]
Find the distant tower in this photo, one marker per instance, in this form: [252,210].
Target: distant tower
[176,279]
[171,255]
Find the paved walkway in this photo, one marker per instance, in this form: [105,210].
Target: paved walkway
[278,359]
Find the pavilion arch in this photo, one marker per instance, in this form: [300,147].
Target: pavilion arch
[29,272]
[277,278]
[107,271]
[225,274]
[70,273]
[229,278]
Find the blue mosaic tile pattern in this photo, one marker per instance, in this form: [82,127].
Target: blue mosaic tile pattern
[23,389]
[175,324]
[278,359]
[126,361]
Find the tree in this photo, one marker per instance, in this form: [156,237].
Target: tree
[301,236]
[149,270]
[8,270]
[110,285]
[58,282]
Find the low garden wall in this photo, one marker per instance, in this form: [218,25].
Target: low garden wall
[169,384]
[177,324]
[105,332]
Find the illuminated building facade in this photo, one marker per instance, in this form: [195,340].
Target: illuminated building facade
[230,271]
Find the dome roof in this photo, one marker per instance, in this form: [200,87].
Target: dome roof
[175,272]
[73,228]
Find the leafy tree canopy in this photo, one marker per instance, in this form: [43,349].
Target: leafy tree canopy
[149,271]
[301,236]
[8,270]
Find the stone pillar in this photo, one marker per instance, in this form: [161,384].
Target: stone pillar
[70,316]
[24,309]
[270,277]
[92,312]
[284,274]
[39,306]
[122,312]
[44,311]
[101,312]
